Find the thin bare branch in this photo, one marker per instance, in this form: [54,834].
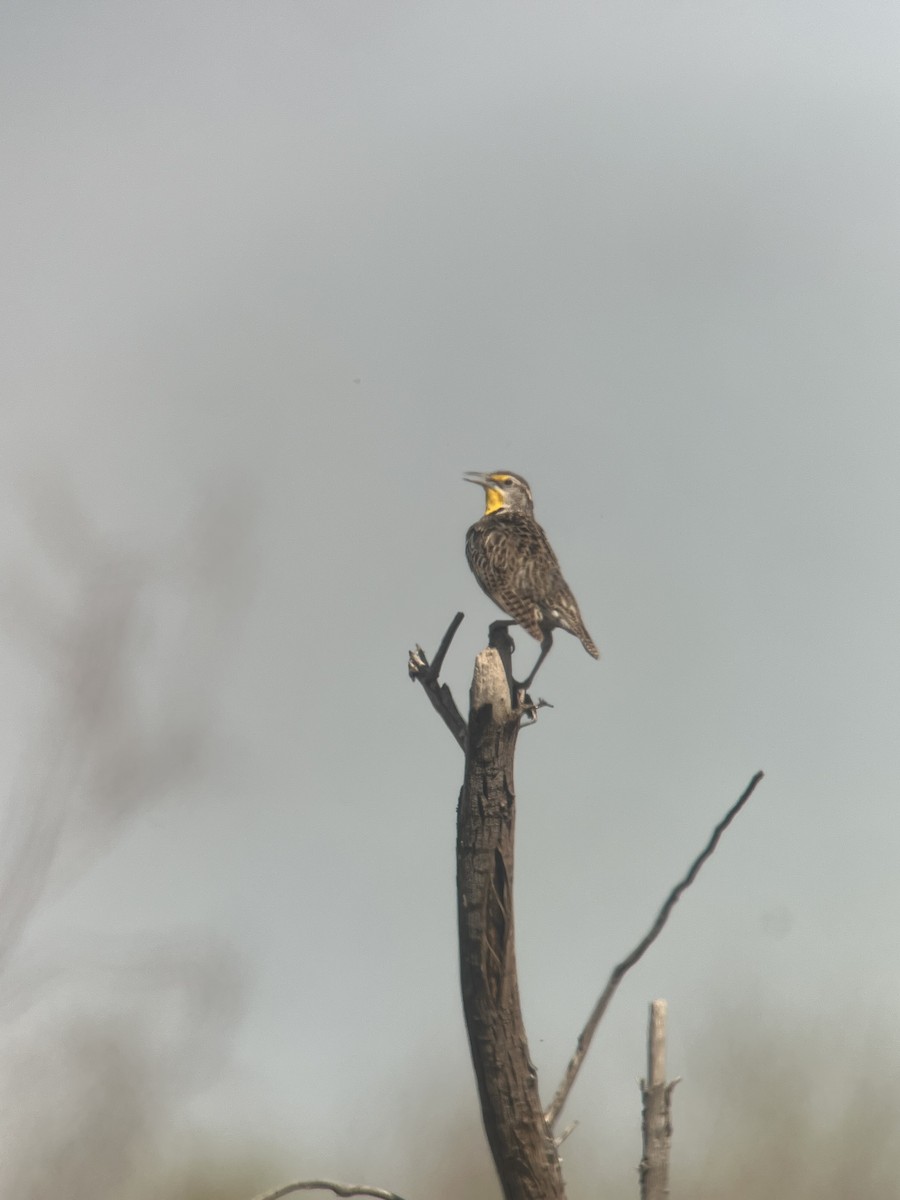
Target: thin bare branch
[438,693]
[567,1132]
[619,972]
[328,1185]
[445,643]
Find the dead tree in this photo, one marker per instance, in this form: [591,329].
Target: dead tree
[520,1133]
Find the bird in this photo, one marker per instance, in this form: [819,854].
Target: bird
[513,561]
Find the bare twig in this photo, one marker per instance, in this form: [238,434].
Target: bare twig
[620,971]
[445,643]
[328,1185]
[567,1132]
[438,693]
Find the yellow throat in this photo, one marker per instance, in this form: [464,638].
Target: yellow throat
[493,500]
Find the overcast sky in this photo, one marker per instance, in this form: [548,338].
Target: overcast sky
[305,263]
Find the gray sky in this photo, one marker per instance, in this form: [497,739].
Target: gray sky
[327,257]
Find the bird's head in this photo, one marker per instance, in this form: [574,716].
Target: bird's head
[502,490]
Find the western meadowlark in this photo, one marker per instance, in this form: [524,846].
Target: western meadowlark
[514,563]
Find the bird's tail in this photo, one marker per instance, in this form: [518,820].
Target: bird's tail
[588,644]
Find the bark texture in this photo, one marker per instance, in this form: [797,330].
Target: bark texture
[521,1141]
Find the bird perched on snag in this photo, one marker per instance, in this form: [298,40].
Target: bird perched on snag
[514,563]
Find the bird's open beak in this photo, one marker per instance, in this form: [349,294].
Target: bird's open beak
[478,477]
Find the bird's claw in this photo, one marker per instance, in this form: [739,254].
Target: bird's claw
[528,707]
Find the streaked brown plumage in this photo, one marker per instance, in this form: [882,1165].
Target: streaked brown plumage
[514,563]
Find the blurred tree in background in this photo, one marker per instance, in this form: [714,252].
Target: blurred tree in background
[100,1044]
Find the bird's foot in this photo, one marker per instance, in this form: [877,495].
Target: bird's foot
[525,705]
